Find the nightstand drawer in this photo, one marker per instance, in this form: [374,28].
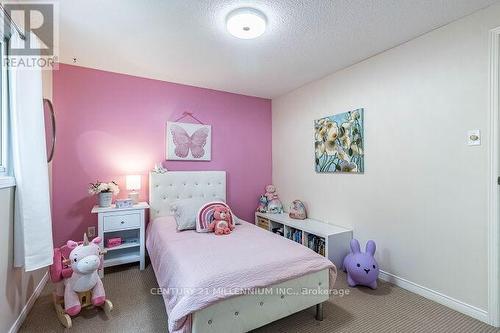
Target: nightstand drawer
[116,222]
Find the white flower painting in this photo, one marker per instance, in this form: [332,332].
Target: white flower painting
[339,142]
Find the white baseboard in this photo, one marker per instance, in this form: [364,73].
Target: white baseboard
[437,297]
[31,301]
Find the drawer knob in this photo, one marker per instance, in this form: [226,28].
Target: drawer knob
[122,222]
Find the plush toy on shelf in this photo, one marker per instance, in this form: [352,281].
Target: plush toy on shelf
[274,205]
[271,193]
[262,208]
[297,210]
[362,268]
[75,273]
[223,221]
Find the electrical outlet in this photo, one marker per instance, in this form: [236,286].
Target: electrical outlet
[474,137]
[91,232]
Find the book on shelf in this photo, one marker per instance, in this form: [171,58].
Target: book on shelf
[317,244]
[296,236]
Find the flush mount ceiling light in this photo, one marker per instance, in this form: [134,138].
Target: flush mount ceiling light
[246,23]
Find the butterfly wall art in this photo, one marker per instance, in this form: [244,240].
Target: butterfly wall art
[189,142]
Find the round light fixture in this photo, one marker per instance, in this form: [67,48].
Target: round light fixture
[246,23]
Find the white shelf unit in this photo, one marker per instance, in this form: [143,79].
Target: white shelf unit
[336,239]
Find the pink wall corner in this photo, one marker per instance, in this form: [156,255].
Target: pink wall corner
[111,125]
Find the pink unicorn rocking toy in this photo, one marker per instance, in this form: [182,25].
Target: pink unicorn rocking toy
[75,274]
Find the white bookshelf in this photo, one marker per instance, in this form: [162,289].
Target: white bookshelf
[336,239]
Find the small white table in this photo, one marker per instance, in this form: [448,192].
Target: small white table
[129,225]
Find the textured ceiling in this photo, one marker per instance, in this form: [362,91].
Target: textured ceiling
[185,41]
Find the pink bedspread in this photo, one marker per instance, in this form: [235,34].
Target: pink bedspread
[189,266]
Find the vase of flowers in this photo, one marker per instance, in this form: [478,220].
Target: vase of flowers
[105,192]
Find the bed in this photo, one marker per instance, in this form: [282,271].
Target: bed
[232,283]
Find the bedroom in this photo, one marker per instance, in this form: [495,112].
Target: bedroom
[380,118]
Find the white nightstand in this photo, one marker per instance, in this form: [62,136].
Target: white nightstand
[127,223]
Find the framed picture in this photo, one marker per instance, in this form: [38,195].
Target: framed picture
[339,143]
[188,142]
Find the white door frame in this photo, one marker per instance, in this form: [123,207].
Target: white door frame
[493,188]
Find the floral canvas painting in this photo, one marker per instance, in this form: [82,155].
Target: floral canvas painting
[189,142]
[339,142]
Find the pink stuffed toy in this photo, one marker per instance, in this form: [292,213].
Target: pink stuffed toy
[85,261]
[271,193]
[223,222]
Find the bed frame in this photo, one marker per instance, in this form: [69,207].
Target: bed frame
[246,312]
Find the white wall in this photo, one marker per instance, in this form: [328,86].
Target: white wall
[423,197]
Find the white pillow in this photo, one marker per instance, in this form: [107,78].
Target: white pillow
[185,211]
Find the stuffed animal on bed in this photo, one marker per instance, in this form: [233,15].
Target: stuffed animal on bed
[222,223]
[85,261]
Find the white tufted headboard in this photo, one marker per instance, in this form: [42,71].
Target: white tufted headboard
[165,188]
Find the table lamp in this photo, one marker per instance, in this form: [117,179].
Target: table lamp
[133,185]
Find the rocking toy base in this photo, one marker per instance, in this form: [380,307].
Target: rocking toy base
[65,319]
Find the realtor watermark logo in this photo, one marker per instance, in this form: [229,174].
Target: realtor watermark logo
[38,49]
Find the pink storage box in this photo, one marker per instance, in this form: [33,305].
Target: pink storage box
[112,242]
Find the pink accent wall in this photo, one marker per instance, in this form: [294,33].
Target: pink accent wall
[111,125]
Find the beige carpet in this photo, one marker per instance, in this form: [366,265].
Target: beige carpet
[387,309]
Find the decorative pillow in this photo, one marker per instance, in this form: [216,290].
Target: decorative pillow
[184,211]
[206,215]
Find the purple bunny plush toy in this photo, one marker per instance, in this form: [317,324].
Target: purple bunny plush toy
[362,268]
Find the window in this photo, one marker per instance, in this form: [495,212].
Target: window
[4,119]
